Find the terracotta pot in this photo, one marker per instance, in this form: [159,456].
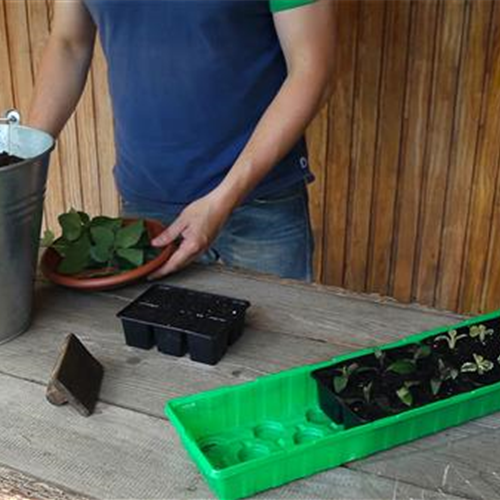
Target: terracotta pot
[51,259]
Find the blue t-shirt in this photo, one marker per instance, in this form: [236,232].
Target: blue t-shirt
[189,80]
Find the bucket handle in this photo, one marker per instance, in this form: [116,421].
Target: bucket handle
[11,117]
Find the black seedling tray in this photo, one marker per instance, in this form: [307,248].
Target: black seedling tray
[178,320]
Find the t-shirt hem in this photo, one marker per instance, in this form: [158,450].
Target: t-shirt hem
[265,190]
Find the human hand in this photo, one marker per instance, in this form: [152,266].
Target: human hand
[197,226]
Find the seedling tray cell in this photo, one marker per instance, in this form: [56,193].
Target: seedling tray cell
[270,431]
[178,320]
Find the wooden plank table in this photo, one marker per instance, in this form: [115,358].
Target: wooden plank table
[129,450]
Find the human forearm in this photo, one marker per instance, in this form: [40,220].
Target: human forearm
[279,129]
[60,82]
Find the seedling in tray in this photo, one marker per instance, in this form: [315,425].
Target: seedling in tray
[479,365]
[446,373]
[480,332]
[261,434]
[451,338]
[412,375]
[179,320]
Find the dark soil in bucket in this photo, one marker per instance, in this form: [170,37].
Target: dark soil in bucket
[6,159]
[396,380]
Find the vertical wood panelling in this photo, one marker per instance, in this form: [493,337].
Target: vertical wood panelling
[365,121]
[443,102]
[406,153]
[339,141]
[6,94]
[317,138]
[392,93]
[480,220]
[19,52]
[415,130]
[464,146]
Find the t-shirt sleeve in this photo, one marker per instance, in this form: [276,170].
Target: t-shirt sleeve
[279,5]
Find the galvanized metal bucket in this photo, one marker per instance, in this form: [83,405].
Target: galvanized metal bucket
[22,192]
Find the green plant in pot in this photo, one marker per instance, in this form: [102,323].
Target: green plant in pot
[101,253]
[101,246]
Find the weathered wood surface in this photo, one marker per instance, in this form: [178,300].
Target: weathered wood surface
[129,450]
[119,453]
[15,485]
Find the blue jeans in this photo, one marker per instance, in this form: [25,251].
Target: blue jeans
[271,234]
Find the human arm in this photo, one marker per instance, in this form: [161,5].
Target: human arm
[306,37]
[64,67]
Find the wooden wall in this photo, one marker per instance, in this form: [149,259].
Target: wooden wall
[406,153]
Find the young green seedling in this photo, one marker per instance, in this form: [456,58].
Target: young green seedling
[404,393]
[480,365]
[379,356]
[341,381]
[407,366]
[367,392]
[446,373]
[421,351]
[402,366]
[452,337]
[480,332]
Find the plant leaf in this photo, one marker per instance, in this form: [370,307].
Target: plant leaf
[76,257]
[402,367]
[485,366]
[61,246]
[423,351]
[340,383]
[133,255]
[435,386]
[364,369]
[144,241]
[101,254]
[128,236]
[353,367]
[405,395]
[151,253]
[109,222]
[367,391]
[468,367]
[71,225]
[84,218]
[48,238]
[102,237]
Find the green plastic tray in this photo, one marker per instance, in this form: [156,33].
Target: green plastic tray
[264,433]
